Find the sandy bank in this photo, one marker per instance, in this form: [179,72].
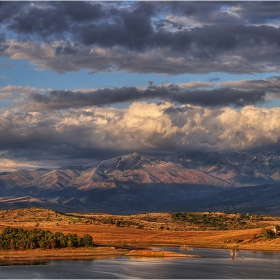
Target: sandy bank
[161,254]
[62,254]
[81,254]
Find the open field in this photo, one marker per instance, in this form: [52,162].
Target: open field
[113,236]
[149,229]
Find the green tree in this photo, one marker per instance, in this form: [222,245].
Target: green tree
[267,233]
[88,241]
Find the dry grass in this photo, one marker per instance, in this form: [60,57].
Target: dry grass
[160,254]
[157,229]
[59,254]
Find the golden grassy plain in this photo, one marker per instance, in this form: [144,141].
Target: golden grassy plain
[144,230]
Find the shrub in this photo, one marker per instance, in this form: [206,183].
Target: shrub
[20,239]
[267,233]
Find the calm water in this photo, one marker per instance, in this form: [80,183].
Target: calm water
[214,264]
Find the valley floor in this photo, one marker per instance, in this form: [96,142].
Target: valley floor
[241,239]
[117,235]
[109,235]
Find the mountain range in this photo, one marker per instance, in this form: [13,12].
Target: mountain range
[184,181]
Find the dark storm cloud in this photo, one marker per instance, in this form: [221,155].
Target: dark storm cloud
[220,97]
[204,12]
[54,19]
[209,41]
[81,11]
[270,85]
[234,12]
[144,37]
[9,8]
[131,29]
[259,11]
[88,22]
[58,99]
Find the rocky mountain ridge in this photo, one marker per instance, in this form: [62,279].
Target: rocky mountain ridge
[136,182]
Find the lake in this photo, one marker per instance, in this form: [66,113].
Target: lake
[214,264]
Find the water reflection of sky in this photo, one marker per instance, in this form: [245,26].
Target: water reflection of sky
[216,264]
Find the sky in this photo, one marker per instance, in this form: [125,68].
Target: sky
[86,81]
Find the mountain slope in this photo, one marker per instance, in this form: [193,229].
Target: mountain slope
[258,199]
[137,182]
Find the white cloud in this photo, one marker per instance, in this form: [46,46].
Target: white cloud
[20,89]
[17,93]
[142,127]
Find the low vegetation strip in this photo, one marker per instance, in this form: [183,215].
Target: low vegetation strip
[219,221]
[160,254]
[89,253]
[21,239]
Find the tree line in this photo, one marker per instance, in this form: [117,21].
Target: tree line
[21,239]
[219,221]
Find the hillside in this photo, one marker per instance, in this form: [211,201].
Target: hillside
[172,221]
[201,229]
[142,183]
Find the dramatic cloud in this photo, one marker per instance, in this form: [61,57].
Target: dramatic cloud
[108,117]
[233,12]
[270,85]
[145,37]
[12,165]
[102,132]
[210,94]
[55,100]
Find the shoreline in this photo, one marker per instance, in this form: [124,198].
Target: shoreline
[10,257]
[221,247]
[111,241]
[94,253]
[60,254]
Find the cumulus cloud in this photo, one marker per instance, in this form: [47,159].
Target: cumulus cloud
[139,37]
[103,132]
[145,37]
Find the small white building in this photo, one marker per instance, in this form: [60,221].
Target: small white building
[276,230]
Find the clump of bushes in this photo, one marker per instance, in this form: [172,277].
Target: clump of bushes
[21,239]
[267,233]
